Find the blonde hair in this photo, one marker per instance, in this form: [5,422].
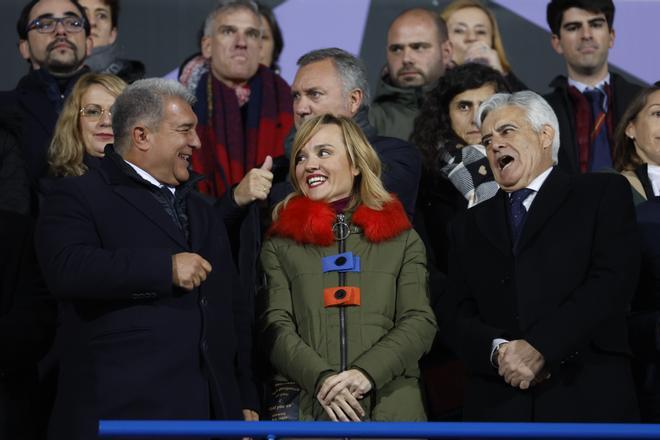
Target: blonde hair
[67,149]
[497,37]
[368,188]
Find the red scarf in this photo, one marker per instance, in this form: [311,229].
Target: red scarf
[584,124]
[236,139]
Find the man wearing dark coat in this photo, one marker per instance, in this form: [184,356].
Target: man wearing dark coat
[540,278]
[54,40]
[154,324]
[590,102]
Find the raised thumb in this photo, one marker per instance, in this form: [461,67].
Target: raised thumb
[268,164]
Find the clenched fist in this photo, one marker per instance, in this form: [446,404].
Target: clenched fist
[189,270]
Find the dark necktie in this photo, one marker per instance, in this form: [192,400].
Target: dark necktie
[518,212]
[601,156]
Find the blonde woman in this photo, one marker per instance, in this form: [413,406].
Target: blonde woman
[475,37]
[84,127]
[346,314]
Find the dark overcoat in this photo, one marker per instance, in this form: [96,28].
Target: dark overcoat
[131,345]
[565,289]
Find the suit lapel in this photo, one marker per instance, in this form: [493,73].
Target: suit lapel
[147,204]
[546,203]
[492,221]
[140,197]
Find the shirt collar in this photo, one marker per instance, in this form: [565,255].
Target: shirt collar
[582,86]
[535,185]
[148,177]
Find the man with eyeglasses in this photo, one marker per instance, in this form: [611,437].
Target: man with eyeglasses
[54,37]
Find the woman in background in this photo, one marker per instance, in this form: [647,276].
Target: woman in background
[637,156]
[476,38]
[84,126]
[342,245]
[455,175]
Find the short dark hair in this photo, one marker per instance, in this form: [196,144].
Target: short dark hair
[278,41]
[114,11]
[24,18]
[433,124]
[556,9]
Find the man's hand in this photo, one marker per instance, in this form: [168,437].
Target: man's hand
[255,185]
[189,270]
[353,380]
[519,363]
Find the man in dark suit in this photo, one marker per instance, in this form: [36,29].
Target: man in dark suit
[154,324]
[540,278]
[54,40]
[590,102]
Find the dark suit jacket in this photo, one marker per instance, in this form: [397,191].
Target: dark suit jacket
[131,345]
[565,290]
[623,93]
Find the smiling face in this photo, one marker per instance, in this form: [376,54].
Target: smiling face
[462,109]
[96,132]
[317,89]
[645,130]
[323,169]
[467,26]
[60,52]
[517,154]
[233,46]
[100,22]
[584,41]
[415,54]
[171,144]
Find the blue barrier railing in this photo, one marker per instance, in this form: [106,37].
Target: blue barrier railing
[273,430]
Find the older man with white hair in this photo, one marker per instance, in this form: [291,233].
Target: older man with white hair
[154,322]
[540,277]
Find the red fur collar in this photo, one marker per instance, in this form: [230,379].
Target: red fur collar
[310,222]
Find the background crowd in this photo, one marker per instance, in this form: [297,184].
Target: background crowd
[232,246]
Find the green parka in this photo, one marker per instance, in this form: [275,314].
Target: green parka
[387,333]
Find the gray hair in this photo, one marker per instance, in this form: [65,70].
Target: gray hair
[537,109]
[227,6]
[143,102]
[352,70]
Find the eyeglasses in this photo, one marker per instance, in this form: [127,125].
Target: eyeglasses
[47,25]
[94,112]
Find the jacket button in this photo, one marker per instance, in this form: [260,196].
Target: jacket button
[203,301]
[340,261]
[505,280]
[340,294]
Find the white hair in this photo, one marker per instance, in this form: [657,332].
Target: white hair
[537,110]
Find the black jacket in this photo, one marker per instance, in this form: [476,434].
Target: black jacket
[131,344]
[565,290]
[623,93]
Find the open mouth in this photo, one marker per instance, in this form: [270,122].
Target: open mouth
[185,157]
[314,181]
[504,161]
